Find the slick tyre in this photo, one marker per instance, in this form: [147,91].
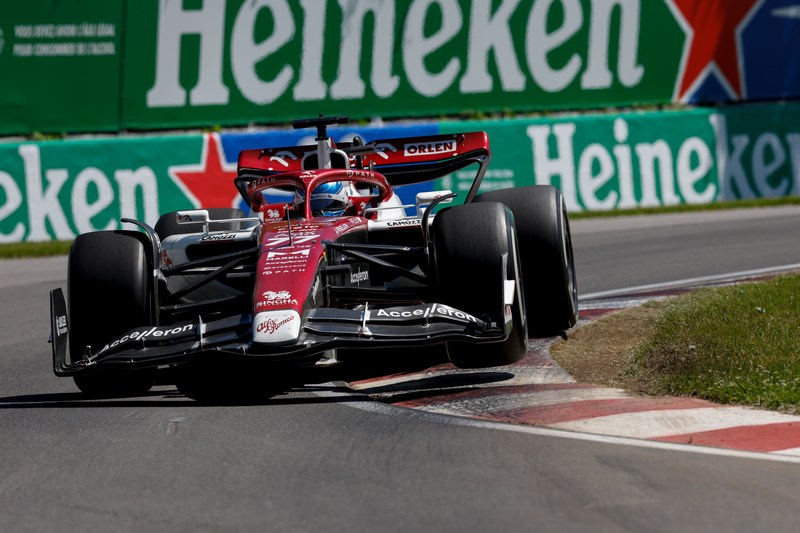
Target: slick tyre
[475,253]
[548,264]
[168,225]
[109,288]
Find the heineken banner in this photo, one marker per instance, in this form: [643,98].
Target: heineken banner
[91,65]
[57,189]
[60,65]
[632,160]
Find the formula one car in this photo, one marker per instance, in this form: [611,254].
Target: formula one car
[332,263]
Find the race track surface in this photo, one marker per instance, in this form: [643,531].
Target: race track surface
[321,457]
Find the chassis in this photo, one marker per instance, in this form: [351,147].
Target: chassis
[210,289]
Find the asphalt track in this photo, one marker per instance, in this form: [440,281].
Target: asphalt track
[322,458]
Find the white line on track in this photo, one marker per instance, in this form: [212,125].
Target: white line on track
[690,282]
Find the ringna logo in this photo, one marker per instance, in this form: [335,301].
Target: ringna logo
[274,298]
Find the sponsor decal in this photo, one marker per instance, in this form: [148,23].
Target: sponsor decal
[276,326]
[283,271]
[154,332]
[297,255]
[61,325]
[401,223]
[2,42]
[270,325]
[285,262]
[360,174]
[273,214]
[429,311]
[219,237]
[277,298]
[428,148]
[258,183]
[359,276]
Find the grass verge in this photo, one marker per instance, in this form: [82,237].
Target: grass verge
[734,345]
[18,250]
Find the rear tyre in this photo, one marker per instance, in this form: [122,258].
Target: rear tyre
[109,288]
[475,253]
[548,264]
[168,224]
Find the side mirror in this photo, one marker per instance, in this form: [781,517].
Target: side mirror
[426,198]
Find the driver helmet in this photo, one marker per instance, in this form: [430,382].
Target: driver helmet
[329,199]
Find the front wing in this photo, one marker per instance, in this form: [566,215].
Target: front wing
[230,338]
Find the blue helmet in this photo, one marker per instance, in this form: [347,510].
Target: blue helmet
[329,199]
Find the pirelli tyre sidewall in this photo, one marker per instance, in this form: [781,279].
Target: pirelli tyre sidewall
[109,289]
[548,264]
[475,251]
[168,224]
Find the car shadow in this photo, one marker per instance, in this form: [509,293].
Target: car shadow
[294,394]
[173,398]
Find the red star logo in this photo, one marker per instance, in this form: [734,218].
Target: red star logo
[713,41]
[210,183]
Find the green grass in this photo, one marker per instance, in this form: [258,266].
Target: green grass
[735,345]
[736,204]
[34,249]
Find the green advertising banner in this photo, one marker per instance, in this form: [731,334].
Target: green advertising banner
[58,189]
[195,63]
[609,162]
[60,65]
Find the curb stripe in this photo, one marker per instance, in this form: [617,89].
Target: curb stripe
[658,424]
[763,438]
[498,402]
[547,415]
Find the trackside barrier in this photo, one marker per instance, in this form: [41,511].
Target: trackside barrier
[58,189]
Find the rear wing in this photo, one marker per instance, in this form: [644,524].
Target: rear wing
[402,161]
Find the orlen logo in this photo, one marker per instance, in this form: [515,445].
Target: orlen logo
[276,326]
[422,149]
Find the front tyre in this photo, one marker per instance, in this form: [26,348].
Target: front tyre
[548,264]
[476,255]
[109,287]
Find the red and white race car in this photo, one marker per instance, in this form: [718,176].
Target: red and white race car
[330,262]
